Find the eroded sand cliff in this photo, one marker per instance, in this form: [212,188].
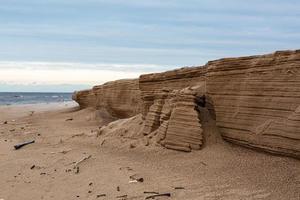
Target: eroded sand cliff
[255,101]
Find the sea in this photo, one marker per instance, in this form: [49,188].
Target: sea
[13,98]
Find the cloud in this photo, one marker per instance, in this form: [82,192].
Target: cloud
[63,76]
[53,73]
[128,68]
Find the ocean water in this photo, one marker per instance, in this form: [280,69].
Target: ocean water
[12,98]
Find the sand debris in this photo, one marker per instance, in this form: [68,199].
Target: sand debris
[82,160]
[159,195]
[77,135]
[179,188]
[101,195]
[127,168]
[136,178]
[18,146]
[102,142]
[146,192]
[203,163]
[133,181]
[77,170]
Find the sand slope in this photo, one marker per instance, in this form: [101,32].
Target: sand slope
[219,171]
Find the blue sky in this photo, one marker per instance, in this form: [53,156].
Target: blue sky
[80,43]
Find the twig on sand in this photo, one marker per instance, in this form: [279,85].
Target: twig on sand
[203,163]
[77,170]
[83,159]
[77,135]
[128,168]
[102,142]
[150,192]
[158,195]
[18,146]
[179,188]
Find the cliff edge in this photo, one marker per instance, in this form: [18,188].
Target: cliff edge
[255,101]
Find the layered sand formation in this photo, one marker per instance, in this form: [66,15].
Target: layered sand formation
[255,101]
[120,98]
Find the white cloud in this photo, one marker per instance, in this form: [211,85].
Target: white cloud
[68,73]
[64,76]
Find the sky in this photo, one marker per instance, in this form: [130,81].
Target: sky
[67,45]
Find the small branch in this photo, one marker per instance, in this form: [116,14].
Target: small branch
[83,159]
[158,195]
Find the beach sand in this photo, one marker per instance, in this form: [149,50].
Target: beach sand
[72,159]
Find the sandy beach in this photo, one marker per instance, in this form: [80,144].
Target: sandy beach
[72,159]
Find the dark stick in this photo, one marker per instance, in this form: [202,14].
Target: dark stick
[150,192]
[18,146]
[123,196]
[101,195]
[158,195]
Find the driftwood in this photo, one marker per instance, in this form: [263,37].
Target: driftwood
[146,192]
[102,142]
[18,146]
[158,195]
[128,168]
[77,170]
[83,159]
[101,195]
[179,188]
[122,196]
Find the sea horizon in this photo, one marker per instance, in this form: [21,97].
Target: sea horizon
[16,98]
